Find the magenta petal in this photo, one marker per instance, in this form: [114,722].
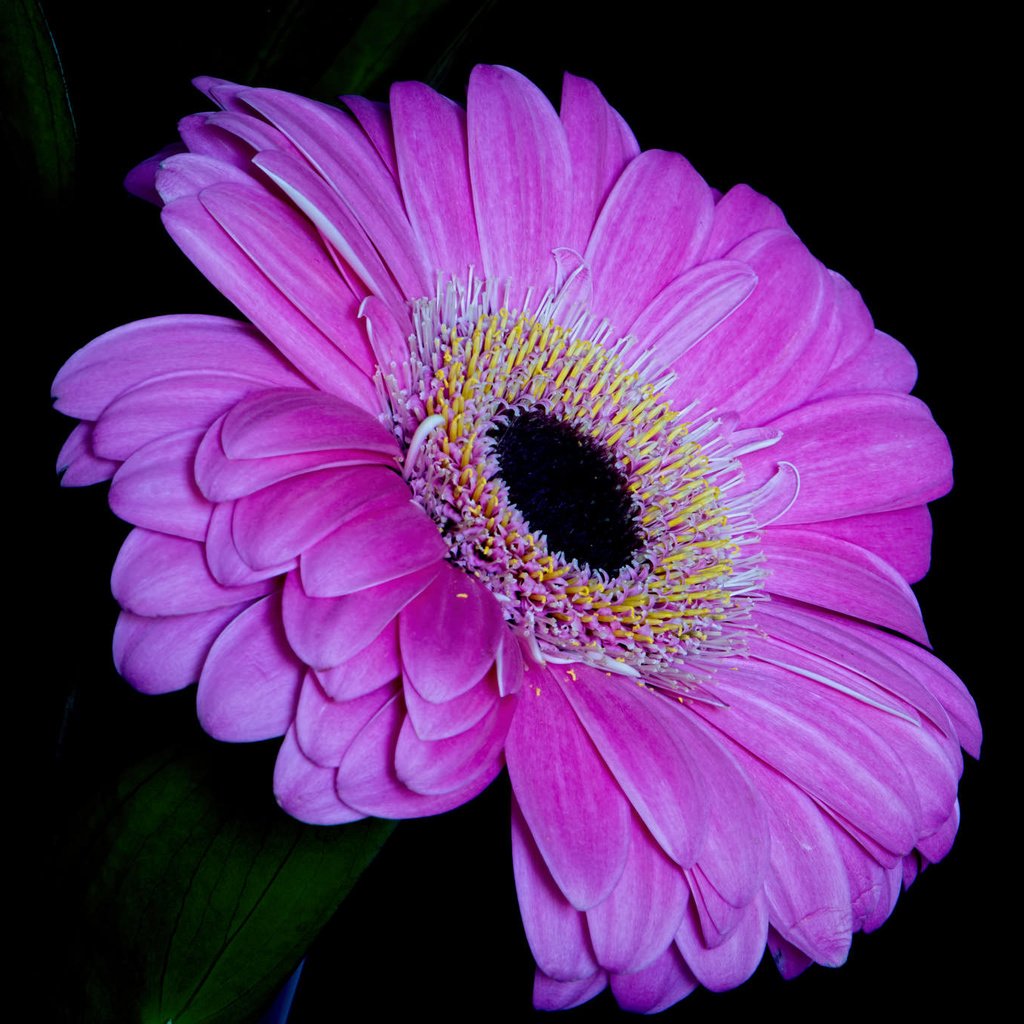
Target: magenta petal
[79,464]
[438,668]
[874,889]
[555,930]
[651,229]
[521,198]
[653,766]
[189,173]
[549,994]
[165,653]
[289,422]
[790,961]
[733,961]
[325,728]
[431,148]
[379,543]
[447,765]
[222,557]
[305,790]
[251,679]
[637,922]
[857,454]
[155,488]
[656,987]
[283,520]
[574,808]
[840,576]
[600,147]
[881,365]
[325,632]
[160,575]
[375,120]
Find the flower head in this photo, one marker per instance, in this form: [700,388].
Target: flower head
[537,451]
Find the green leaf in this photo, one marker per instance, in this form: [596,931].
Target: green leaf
[200,896]
[37,106]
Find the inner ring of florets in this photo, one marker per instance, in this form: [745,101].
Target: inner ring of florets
[489,386]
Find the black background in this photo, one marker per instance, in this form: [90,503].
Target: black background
[881,141]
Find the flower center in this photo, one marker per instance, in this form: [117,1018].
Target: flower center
[569,489]
[566,483]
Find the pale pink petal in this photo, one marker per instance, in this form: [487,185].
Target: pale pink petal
[815,569]
[556,931]
[520,192]
[305,790]
[160,575]
[656,987]
[454,602]
[250,682]
[600,147]
[433,167]
[636,923]
[328,632]
[155,488]
[164,653]
[652,228]
[574,808]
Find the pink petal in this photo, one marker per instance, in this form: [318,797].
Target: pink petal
[283,520]
[231,271]
[835,574]
[652,228]
[155,488]
[289,422]
[636,923]
[328,632]
[128,356]
[449,635]
[447,765]
[731,962]
[549,994]
[522,179]
[167,405]
[790,961]
[305,790]
[555,930]
[903,537]
[222,557]
[857,454]
[600,147]
[740,213]
[367,780]
[882,365]
[189,173]
[651,763]
[574,808]
[251,679]
[433,721]
[768,356]
[691,305]
[158,655]
[375,120]
[325,728]
[160,575]
[380,543]
[430,140]
[79,464]
[656,987]
[378,663]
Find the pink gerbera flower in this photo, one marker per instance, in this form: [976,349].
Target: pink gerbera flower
[538,451]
